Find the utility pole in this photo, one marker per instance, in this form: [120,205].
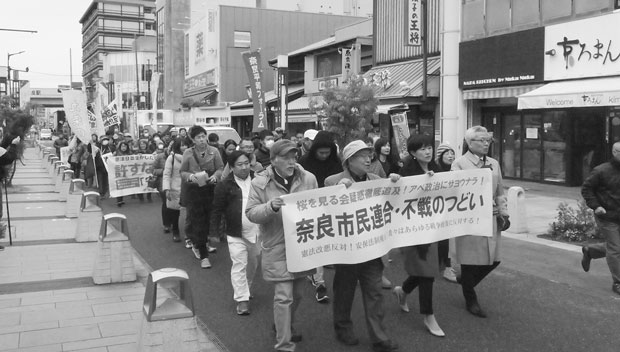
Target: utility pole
[135,51]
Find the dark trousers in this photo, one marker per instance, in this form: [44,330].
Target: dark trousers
[346,277]
[76,167]
[444,248]
[425,291]
[197,228]
[102,179]
[471,275]
[169,217]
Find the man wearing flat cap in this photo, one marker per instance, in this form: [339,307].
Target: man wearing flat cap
[356,160]
[283,176]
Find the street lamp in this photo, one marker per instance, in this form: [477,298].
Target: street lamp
[8,74]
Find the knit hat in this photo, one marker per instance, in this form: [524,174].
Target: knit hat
[442,148]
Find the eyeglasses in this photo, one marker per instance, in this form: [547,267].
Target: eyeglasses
[484,140]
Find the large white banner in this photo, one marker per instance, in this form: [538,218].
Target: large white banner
[74,102]
[339,225]
[128,174]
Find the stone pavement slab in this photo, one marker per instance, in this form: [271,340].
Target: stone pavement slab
[43,229]
[33,181]
[28,173]
[33,197]
[31,188]
[36,210]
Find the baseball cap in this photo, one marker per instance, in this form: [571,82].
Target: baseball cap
[310,134]
[352,148]
[281,148]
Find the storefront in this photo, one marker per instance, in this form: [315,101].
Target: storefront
[552,122]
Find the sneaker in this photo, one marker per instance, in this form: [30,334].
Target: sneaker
[449,274]
[196,252]
[188,243]
[312,281]
[205,263]
[176,238]
[166,229]
[385,346]
[321,294]
[401,298]
[211,249]
[243,308]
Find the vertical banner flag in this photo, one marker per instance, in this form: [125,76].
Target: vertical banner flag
[255,75]
[401,131]
[414,19]
[110,114]
[74,102]
[118,97]
[154,88]
[101,101]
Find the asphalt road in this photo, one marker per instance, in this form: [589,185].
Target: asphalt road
[538,299]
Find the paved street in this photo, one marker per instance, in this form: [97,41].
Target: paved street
[539,299]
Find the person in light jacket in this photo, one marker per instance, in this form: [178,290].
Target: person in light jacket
[356,160]
[171,186]
[283,176]
[479,255]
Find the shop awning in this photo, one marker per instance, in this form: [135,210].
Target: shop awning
[499,92]
[581,93]
[403,79]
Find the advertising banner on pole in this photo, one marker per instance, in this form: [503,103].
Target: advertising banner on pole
[251,59]
[400,127]
[339,225]
[110,114]
[74,102]
[129,174]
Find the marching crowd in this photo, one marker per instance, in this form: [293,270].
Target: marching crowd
[232,192]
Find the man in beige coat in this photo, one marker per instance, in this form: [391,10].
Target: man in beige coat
[479,255]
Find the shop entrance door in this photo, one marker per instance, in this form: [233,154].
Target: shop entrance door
[511,145]
[531,153]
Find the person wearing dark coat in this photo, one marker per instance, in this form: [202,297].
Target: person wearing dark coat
[421,261]
[8,154]
[229,202]
[601,191]
[322,161]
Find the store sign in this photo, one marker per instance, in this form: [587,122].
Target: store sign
[414,22]
[327,83]
[503,60]
[201,81]
[584,48]
[252,62]
[350,61]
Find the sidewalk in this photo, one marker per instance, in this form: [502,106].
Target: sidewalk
[48,301]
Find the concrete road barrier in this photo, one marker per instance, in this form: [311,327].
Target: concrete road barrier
[517,210]
[89,218]
[74,198]
[114,257]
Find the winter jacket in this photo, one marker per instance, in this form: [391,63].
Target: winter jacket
[171,180]
[480,250]
[211,162]
[158,167]
[262,156]
[322,169]
[259,211]
[228,202]
[602,189]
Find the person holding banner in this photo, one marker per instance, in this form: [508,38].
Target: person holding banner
[322,161]
[284,176]
[201,169]
[123,149]
[356,160]
[479,255]
[421,261]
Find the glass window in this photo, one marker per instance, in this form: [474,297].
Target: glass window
[525,12]
[329,64]
[584,6]
[555,133]
[552,9]
[473,18]
[112,24]
[498,15]
[242,39]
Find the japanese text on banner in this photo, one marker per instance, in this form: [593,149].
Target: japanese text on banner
[336,224]
[129,174]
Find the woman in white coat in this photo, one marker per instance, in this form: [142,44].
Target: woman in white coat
[171,185]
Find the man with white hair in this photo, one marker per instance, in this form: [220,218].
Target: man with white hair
[479,255]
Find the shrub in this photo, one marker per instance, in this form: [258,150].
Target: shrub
[574,224]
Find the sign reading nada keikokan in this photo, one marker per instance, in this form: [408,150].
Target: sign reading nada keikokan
[584,48]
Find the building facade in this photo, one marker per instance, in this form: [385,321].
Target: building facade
[544,77]
[112,26]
